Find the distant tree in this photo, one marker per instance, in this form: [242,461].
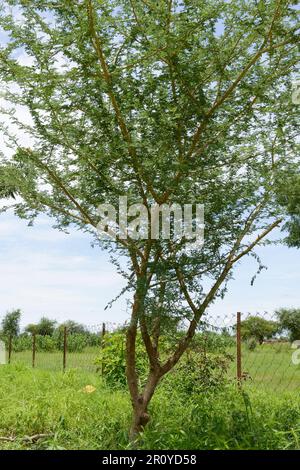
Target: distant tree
[10,324]
[31,328]
[289,320]
[45,327]
[258,328]
[73,327]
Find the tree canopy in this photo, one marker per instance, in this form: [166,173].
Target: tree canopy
[45,327]
[289,321]
[258,328]
[10,324]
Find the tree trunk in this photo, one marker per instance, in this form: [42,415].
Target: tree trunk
[139,420]
[141,416]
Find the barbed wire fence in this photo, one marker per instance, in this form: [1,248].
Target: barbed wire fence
[262,355]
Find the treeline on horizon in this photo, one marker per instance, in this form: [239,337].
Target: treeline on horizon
[255,330]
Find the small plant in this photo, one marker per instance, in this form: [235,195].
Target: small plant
[251,344]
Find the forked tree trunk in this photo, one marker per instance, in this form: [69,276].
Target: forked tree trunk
[140,418]
[141,415]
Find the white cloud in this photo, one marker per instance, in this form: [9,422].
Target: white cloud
[46,272]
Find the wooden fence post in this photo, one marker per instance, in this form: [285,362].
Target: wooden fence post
[102,345]
[65,349]
[9,348]
[238,349]
[33,349]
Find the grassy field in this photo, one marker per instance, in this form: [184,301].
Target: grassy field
[54,360]
[266,415]
[56,404]
[269,366]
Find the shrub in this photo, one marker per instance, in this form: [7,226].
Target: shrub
[77,342]
[212,342]
[251,344]
[93,339]
[21,343]
[197,373]
[111,360]
[45,343]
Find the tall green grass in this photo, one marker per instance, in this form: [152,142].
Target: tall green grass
[40,401]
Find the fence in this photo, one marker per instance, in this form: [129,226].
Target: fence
[260,355]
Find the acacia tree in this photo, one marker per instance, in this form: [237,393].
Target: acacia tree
[258,328]
[165,101]
[288,192]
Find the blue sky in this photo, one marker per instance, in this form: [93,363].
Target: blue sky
[45,272]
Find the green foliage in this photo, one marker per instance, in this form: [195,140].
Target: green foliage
[258,328]
[31,328]
[252,343]
[289,198]
[199,373]
[139,92]
[45,327]
[76,342]
[22,343]
[10,324]
[45,343]
[289,320]
[112,362]
[212,342]
[54,403]
[74,327]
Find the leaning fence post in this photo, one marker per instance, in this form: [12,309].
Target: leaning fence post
[33,349]
[65,349]
[238,349]
[9,348]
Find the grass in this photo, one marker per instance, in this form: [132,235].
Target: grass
[54,360]
[43,401]
[270,367]
[50,402]
[46,400]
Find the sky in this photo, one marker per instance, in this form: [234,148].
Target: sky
[46,272]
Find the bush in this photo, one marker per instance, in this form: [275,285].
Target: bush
[112,361]
[197,373]
[212,342]
[21,343]
[93,339]
[251,344]
[45,343]
[77,342]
